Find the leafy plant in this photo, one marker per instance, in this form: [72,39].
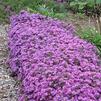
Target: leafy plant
[77,5]
[47,12]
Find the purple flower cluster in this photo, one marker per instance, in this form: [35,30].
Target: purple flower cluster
[52,63]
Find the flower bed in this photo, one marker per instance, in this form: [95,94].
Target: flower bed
[52,63]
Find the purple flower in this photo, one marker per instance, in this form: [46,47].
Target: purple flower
[52,63]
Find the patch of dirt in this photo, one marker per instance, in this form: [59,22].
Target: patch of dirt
[80,21]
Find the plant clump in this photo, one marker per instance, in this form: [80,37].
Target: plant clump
[52,63]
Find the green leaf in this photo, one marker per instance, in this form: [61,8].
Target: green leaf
[72,4]
[98,1]
[91,3]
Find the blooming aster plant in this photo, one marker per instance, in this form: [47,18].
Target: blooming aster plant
[52,63]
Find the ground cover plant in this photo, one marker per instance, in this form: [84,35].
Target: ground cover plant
[52,63]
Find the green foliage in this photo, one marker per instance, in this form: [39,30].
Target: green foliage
[47,12]
[45,7]
[84,5]
[98,1]
[77,5]
[57,7]
[92,36]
